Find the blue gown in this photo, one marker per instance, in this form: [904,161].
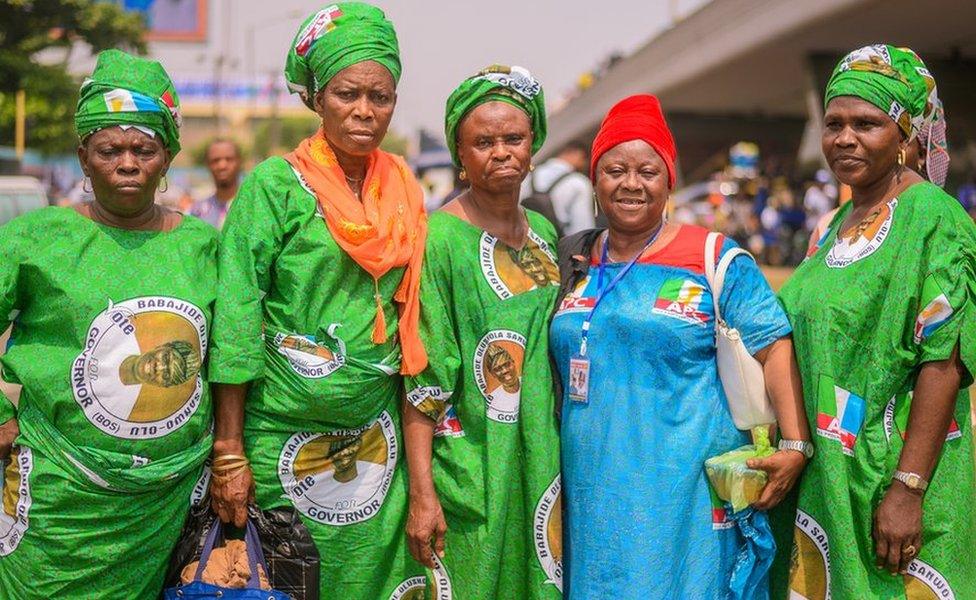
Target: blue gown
[642,521]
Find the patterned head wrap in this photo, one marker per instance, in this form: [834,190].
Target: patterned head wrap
[497,83]
[130,91]
[886,77]
[932,133]
[336,37]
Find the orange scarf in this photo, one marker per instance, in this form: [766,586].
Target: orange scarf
[386,229]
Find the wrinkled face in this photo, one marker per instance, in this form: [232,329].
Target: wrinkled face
[632,187]
[504,369]
[346,457]
[162,366]
[224,163]
[495,147]
[125,167]
[356,107]
[860,142]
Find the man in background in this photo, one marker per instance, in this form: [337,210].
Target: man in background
[224,163]
[562,179]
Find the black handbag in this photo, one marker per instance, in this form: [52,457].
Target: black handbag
[290,554]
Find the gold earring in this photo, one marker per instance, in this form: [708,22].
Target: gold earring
[163,185]
[596,207]
[86,185]
[531,167]
[463,175]
[901,157]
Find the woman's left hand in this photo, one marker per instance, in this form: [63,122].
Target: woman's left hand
[897,528]
[783,469]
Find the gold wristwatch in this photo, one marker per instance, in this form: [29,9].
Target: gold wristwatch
[912,481]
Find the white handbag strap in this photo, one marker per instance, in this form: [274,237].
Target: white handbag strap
[716,276]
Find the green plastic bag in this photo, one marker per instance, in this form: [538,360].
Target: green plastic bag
[733,481]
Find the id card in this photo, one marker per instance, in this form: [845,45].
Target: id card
[579,380]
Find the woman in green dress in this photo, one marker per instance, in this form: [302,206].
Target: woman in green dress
[318,317]
[480,426]
[111,305]
[883,322]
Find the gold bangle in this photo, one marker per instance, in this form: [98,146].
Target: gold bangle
[227,475]
[222,457]
[229,466]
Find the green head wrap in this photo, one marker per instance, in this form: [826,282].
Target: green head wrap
[128,90]
[336,37]
[497,83]
[888,78]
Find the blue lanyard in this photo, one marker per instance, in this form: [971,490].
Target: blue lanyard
[602,292]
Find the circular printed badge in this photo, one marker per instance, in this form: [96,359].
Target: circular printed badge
[139,374]
[307,358]
[14,517]
[547,533]
[199,491]
[924,582]
[414,588]
[498,362]
[441,581]
[861,242]
[810,560]
[510,272]
[340,477]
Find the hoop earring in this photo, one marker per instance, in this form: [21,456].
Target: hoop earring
[86,185]
[463,175]
[163,185]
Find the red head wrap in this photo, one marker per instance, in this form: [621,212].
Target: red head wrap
[635,118]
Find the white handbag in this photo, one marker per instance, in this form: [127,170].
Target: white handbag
[741,374]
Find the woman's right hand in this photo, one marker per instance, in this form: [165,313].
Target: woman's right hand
[8,433]
[426,528]
[231,493]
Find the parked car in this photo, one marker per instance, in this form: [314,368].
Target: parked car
[19,194]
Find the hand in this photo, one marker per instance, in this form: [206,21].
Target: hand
[231,493]
[426,528]
[897,526]
[783,468]
[8,433]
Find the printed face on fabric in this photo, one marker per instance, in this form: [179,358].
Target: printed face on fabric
[632,186]
[125,166]
[139,375]
[356,107]
[860,141]
[495,146]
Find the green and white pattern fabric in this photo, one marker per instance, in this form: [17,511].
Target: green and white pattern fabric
[322,425]
[867,310]
[485,323]
[111,329]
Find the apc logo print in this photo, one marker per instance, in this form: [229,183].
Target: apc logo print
[139,374]
[341,477]
[14,519]
[547,533]
[840,414]
[809,561]
[681,298]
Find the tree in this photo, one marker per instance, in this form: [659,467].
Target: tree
[31,34]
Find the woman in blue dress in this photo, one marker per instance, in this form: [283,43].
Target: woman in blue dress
[643,406]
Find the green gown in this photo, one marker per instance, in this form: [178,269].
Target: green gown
[294,318]
[110,332]
[485,319]
[866,314]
